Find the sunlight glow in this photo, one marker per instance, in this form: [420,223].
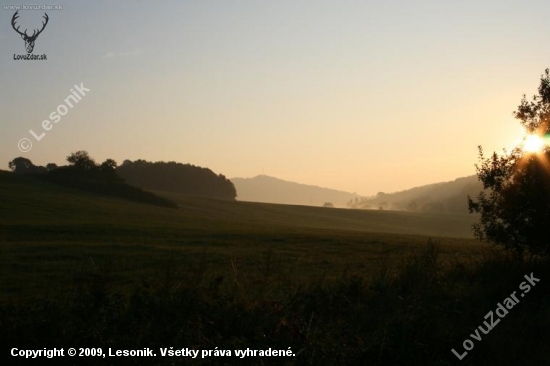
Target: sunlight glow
[533,144]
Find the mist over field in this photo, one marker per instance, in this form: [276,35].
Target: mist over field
[442,197]
[263,188]
[275,183]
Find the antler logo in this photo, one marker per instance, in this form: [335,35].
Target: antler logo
[29,40]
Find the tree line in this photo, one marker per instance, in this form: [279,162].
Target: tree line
[177,177]
[131,178]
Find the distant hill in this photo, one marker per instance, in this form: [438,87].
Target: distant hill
[442,197]
[175,177]
[273,190]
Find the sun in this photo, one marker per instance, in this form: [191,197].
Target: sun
[533,144]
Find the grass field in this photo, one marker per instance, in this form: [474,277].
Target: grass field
[51,233]
[340,287]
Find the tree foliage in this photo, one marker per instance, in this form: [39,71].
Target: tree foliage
[81,160]
[22,165]
[176,177]
[85,174]
[514,206]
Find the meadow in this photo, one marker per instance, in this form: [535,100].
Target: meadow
[51,233]
[338,286]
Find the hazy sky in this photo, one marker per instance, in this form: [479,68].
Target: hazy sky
[363,96]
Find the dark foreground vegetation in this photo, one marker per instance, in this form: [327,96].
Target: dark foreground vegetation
[410,314]
[82,269]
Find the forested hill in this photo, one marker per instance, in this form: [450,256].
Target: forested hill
[442,197]
[177,177]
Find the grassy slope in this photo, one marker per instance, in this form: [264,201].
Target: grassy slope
[51,234]
[236,275]
[394,222]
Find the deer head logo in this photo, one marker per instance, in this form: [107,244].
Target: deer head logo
[29,40]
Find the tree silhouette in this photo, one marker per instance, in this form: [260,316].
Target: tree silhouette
[514,206]
[108,170]
[82,160]
[51,166]
[176,177]
[108,164]
[85,174]
[20,165]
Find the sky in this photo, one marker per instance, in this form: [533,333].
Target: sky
[362,96]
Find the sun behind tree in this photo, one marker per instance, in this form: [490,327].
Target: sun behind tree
[533,144]
[515,203]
